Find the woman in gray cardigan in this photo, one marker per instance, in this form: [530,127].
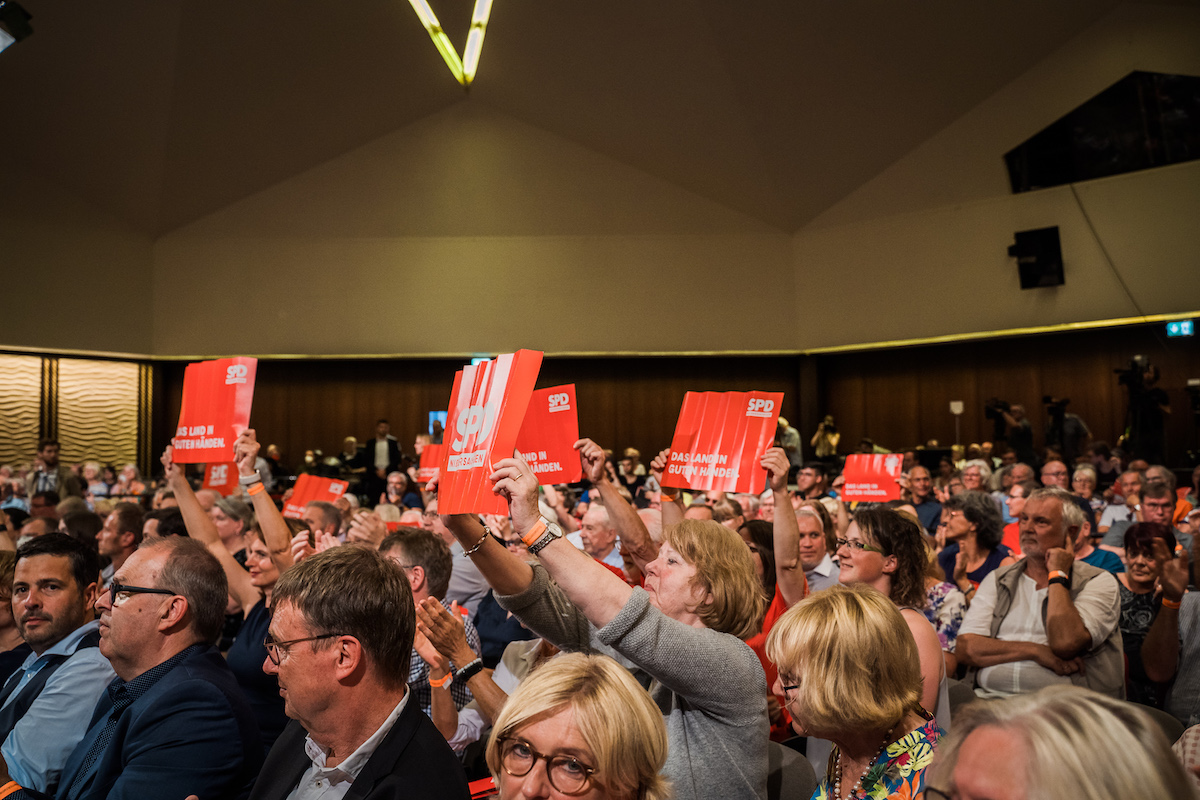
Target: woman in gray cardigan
[684,631]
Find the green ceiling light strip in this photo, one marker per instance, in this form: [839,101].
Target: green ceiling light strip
[463,69]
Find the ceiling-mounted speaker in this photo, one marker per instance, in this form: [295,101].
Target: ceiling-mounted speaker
[1039,257]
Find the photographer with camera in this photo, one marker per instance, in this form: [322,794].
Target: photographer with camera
[1013,426]
[1148,408]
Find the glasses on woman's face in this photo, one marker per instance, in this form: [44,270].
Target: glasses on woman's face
[567,774]
[857,546]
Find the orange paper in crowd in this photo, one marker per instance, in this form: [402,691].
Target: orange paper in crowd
[221,478]
[311,488]
[719,440]
[872,477]
[486,409]
[216,408]
[548,435]
[431,458]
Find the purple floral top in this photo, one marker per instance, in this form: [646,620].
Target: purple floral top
[947,606]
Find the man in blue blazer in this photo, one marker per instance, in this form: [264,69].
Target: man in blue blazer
[340,642]
[173,723]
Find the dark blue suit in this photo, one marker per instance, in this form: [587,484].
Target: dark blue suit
[192,732]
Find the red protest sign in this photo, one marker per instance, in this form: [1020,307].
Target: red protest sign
[431,458]
[215,409]
[309,488]
[719,439]
[548,435]
[486,408]
[221,478]
[872,477]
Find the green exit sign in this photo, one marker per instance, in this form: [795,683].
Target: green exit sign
[1184,327]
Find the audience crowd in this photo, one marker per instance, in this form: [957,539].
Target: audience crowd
[1013,626]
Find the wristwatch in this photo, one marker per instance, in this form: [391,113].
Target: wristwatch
[249,480]
[469,671]
[552,532]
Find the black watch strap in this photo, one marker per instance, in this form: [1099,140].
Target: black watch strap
[469,671]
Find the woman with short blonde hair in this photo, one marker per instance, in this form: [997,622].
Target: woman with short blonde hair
[573,700]
[734,602]
[849,669]
[1063,741]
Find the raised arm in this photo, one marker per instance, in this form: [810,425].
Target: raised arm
[789,572]
[624,517]
[1068,635]
[201,528]
[670,500]
[1160,650]
[448,636]
[277,536]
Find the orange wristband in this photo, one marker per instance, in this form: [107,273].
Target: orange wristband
[12,787]
[664,495]
[535,533]
[256,488]
[1166,604]
[1058,573]
[438,683]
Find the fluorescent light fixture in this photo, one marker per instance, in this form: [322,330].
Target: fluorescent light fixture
[463,69]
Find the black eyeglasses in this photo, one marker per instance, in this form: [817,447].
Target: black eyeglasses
[273,647]
[567,774]
[857,546]
[122,592]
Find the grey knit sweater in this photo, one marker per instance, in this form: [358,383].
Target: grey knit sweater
[709,685]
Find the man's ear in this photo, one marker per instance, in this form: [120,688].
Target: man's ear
[174,613]
[350,658]
[90,593]
[127,540]
[416,577]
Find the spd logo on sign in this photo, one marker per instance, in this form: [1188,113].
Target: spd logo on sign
[559,401]
[236,374]
[477,420]
[220,473]
[760,407]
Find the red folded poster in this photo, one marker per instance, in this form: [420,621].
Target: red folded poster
[431,458]
[719,440]
[309,488]
[486,408]
[221,478]
[215,409]
[548,435]
[872,477]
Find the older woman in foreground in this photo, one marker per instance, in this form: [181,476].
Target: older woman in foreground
[1063,741]
[579,727]
[849,669]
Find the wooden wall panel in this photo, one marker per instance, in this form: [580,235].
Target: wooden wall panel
[98,411]
[20,408]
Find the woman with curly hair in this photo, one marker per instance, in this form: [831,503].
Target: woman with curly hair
[974,530]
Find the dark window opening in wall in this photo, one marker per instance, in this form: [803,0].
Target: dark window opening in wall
[1144,120]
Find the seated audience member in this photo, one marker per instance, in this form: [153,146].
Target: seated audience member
[974,530]
[92,481]
[1083,484]
[43,505]
[233,519]
[357,731]
[467,586]
[34,527]
[174,721]
[1056,475]
[682,631]
[595,730]
[83,526]
[398,493]
[53,589]
[886,550]
[1157,473]
[1171,650]
[920,487]
[129,484]
[1014,501]
[729,513]
[818,543]
[13,649]
[1061,741]
[699,511]
[267,556]
[599,536]
[1141,600]
[120,537]
[1130,486]
[426,562]
[1087,552]
[976,476]
[163,523]
[1157,504]
[1047,619]
[850,670]
[323,519]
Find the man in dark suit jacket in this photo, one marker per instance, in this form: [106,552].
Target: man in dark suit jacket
[383,448]
[340,641]
[173,722]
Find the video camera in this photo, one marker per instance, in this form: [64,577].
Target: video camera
[1134,376]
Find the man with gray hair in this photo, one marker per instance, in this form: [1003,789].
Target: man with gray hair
[600,537]
[1047,619]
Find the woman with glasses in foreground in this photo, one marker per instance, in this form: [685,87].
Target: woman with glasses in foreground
[579,727]
[849,669]
[1063,741]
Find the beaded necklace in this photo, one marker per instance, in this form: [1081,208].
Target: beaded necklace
[837,768]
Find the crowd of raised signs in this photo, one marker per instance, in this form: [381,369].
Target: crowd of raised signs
[1012,626]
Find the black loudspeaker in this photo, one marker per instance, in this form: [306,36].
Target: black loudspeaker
[1039,257]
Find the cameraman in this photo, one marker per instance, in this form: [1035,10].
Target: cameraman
[1019,433]
[1148,408]
[1065,432]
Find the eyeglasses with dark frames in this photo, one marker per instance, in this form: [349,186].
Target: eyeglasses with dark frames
[870,548]
[122,591]
[273,647]
[567,774]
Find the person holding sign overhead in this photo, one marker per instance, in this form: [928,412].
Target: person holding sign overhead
[268,555]
[701,599]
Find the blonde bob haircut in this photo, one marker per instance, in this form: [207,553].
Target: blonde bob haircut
[621,725]
[1078,743]
[853,658]
[726,571]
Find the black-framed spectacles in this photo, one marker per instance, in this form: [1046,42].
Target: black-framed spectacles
[123,591]
[567,774]
[870,548]
[273,647]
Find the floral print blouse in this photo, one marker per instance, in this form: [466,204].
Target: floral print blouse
[946,608]
[899,776]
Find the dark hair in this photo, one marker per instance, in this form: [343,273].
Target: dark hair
[981,510]
[170,521]
[354,591]
[762,541]
[1156,490]
[1140,536]
[819,467]
[85,564]
[897,535]
[50,497]
[129,520]
[195,573]
[83,525]
[426,550]
[44,443]
[329,513]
